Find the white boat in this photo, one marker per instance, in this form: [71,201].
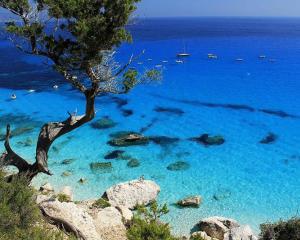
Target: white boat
[31,90]
[262,56]
[149,59]
[212,56]
[55,86]
[140,63]
[183,55]
[165,61]
[239,59]
[158,66]
[179,61]
[13,96]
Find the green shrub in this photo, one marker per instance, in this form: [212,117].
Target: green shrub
[63,197]
[282,230]
[20,217]
[197,237]
[18,209]
[147,226]
[101,203]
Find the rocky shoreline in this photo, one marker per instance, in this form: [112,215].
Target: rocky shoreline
[108,217]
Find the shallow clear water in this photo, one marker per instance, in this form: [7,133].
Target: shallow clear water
[256,182]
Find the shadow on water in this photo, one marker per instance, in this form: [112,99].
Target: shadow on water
[235,107]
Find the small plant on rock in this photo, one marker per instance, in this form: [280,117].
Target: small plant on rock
[146,224]
[63,198]
[101,203]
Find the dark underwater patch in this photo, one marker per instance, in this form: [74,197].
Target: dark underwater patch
[119,101]
[114,154]
[207,140]
[164,140]
[127,112]
[278,113]
[270,138]
[169,110]
[230,106]
[146,128]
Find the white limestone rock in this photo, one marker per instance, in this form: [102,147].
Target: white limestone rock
[216,227]
[67,191]
[242,232]
[130,194]
[73,215]
[109,224]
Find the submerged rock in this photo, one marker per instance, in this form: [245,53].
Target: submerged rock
[101,166]
[120,134]
[193,201]
[127,112]
[222,194]
[27,143]
[169,110]
[130,139]
[133,163]
[133,193]
[179,166]
[114,154]
[164,140]
[103,123]
[66,174]
[207,140]
[270,138]
[68,161]
[22,130]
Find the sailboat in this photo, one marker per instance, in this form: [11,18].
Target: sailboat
[184,53]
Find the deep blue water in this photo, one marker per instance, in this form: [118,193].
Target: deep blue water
[242,101]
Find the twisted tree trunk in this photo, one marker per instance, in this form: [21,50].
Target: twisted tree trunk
[48,134]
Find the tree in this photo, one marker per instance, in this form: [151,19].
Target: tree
[79,37]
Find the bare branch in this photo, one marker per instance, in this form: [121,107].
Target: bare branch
[131,60]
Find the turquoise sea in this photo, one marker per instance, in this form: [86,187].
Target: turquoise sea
[243,101]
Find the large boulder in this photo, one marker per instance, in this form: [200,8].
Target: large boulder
[242,232]
[193,201]
[217,227]
[128,139]
[46,188]
[201,235]
[207,140]
[109,224]
[130,194]
[71,217]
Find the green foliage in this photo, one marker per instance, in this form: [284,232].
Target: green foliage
[197,237]
[130,79]
[281,230]
[101,203]
[17,206]
[82,31]
[63,197]
[20,217]
[147,226]
[153,75]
